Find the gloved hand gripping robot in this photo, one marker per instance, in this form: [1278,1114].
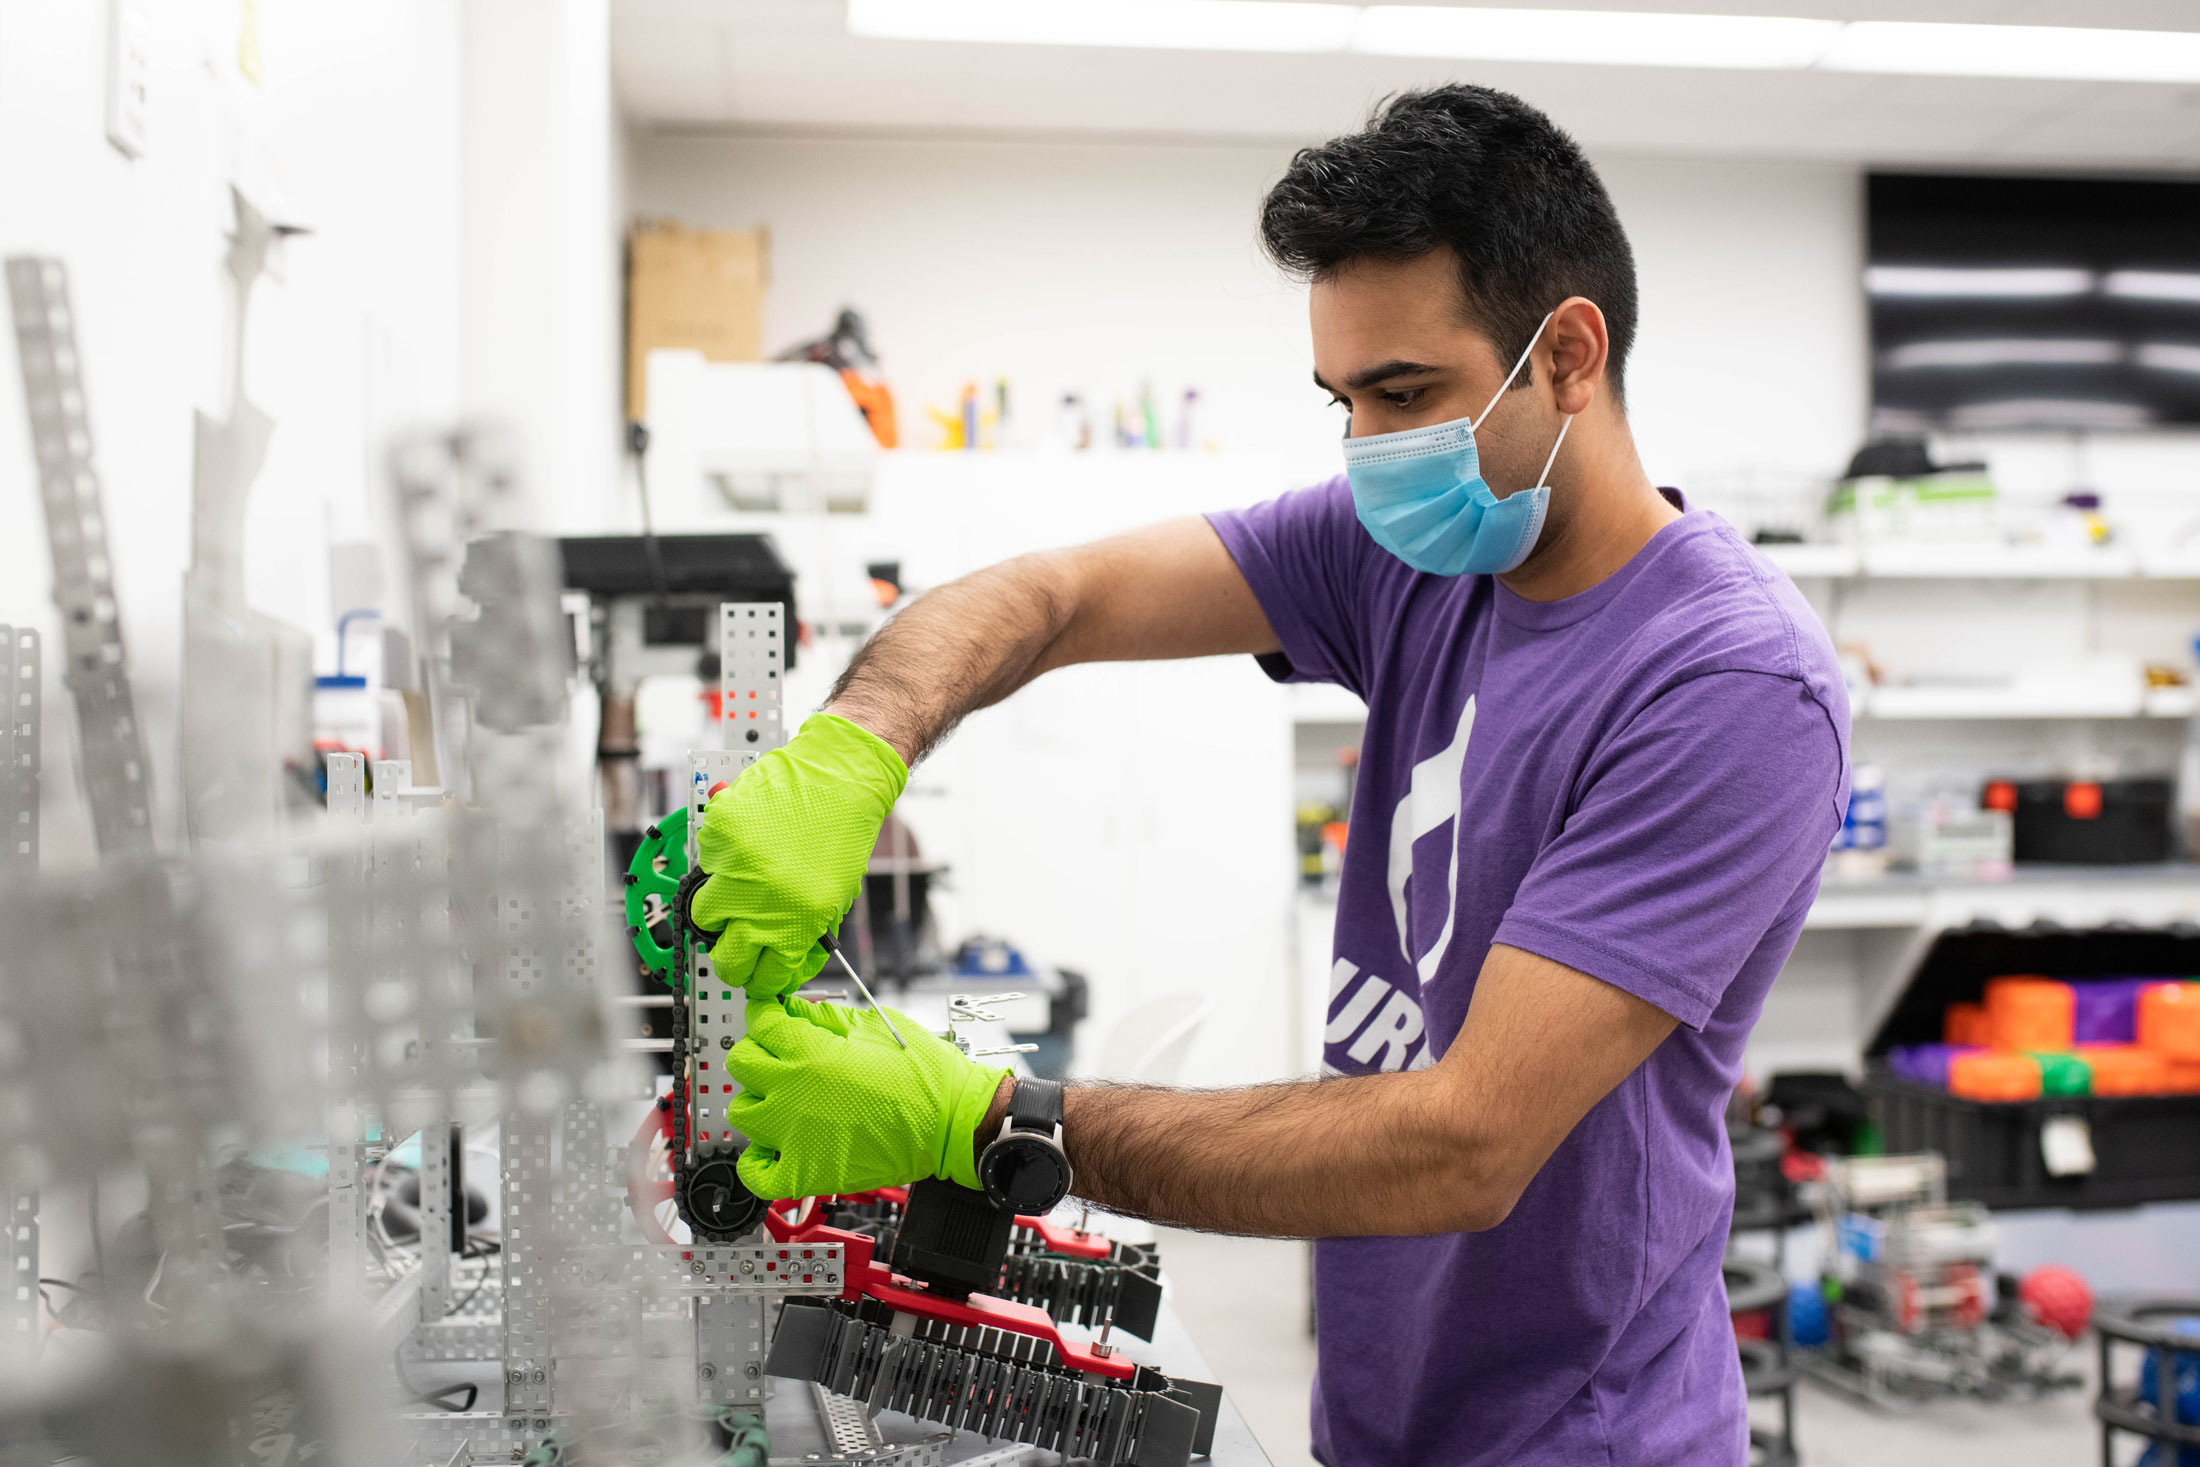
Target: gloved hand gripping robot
[837,1109]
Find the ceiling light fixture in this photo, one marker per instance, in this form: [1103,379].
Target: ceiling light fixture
[1935,282]
[1182,25]
[1596,37]
[1986,352]
[2152,285]
[2165,356]
[2069,53]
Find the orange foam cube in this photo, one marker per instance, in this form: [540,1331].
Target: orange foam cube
[1994,1074]
[2169,1019]
[2126,1069]
[2028,1012]
[1964,1024]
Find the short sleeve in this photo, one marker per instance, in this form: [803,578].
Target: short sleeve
[1305,556]
[1695,827]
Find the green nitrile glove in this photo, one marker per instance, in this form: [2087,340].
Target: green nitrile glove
[786,845]
[830,1103]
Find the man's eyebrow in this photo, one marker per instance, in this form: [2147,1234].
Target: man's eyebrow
[1380,372]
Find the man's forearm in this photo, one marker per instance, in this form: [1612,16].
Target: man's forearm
[1374,1154]
[956,649]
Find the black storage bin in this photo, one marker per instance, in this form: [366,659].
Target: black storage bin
[2109,822]
[2146,1148]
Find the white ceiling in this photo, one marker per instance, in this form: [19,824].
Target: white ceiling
[790,64]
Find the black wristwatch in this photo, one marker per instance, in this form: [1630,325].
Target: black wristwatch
[1024,1169]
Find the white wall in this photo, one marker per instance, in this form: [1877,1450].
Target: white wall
[539,334]
[357,333]
[1092,266]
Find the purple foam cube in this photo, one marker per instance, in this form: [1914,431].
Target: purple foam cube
[1926,1064]
[2107,1009]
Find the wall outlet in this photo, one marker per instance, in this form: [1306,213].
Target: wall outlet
[129,67]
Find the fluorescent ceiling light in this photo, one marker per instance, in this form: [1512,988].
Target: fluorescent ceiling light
[2165,356]
[2073,53]
[2050,412]
[2009,353]
[1185,25]
[2152,285]
[1606,37]
[1601,37]
[1945,283]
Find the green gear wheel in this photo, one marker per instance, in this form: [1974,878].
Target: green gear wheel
[652,879]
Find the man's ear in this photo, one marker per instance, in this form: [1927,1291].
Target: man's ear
[1579,345]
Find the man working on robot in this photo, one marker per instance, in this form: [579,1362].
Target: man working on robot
[1604,758]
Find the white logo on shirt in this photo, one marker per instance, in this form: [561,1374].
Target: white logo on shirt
[1431,802]
[1374,1024]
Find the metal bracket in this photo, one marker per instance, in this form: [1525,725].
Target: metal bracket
[116,773]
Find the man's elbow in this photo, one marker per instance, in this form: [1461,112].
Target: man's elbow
[1481,1187]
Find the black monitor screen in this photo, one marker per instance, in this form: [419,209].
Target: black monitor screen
[2033,303]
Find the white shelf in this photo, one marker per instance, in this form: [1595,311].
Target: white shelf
[1956,704]
[2147,896]
[1983,561]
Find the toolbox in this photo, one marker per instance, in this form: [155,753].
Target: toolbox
[2107,822]
[2076,1151]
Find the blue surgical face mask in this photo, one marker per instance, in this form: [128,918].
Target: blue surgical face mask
[1422,496]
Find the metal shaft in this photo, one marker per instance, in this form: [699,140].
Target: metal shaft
[825,940]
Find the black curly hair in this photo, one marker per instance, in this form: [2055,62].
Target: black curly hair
[1478,170]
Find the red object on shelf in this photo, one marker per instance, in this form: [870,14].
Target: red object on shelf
[2082,800]
[2059,1298]
[2001,794]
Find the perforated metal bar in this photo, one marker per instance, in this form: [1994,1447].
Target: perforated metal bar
[116,774]
[19,725]
[20,762]
[347,787]
[435,1218]
[729,1350]
[715,1013]
[19,1311]
[752,656]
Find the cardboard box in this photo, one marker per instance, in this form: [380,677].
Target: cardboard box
[702,289]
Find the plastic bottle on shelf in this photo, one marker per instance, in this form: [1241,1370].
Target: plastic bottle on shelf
[1860,853]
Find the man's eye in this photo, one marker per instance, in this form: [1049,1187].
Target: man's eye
[1404,398]
[1338,402]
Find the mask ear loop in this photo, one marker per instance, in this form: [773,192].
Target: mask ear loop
[1544,477]
[1506,385]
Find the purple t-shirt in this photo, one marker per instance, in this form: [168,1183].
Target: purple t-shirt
[1640,782]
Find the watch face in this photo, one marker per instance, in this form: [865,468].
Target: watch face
[1026,1173]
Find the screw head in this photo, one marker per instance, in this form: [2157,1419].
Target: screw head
[539,1377]
[695,1268]
[725,1041]
[706,1371]
[748,1265]
[752,1370]
[514,1377]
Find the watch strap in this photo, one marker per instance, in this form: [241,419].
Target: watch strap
[1035,1105]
